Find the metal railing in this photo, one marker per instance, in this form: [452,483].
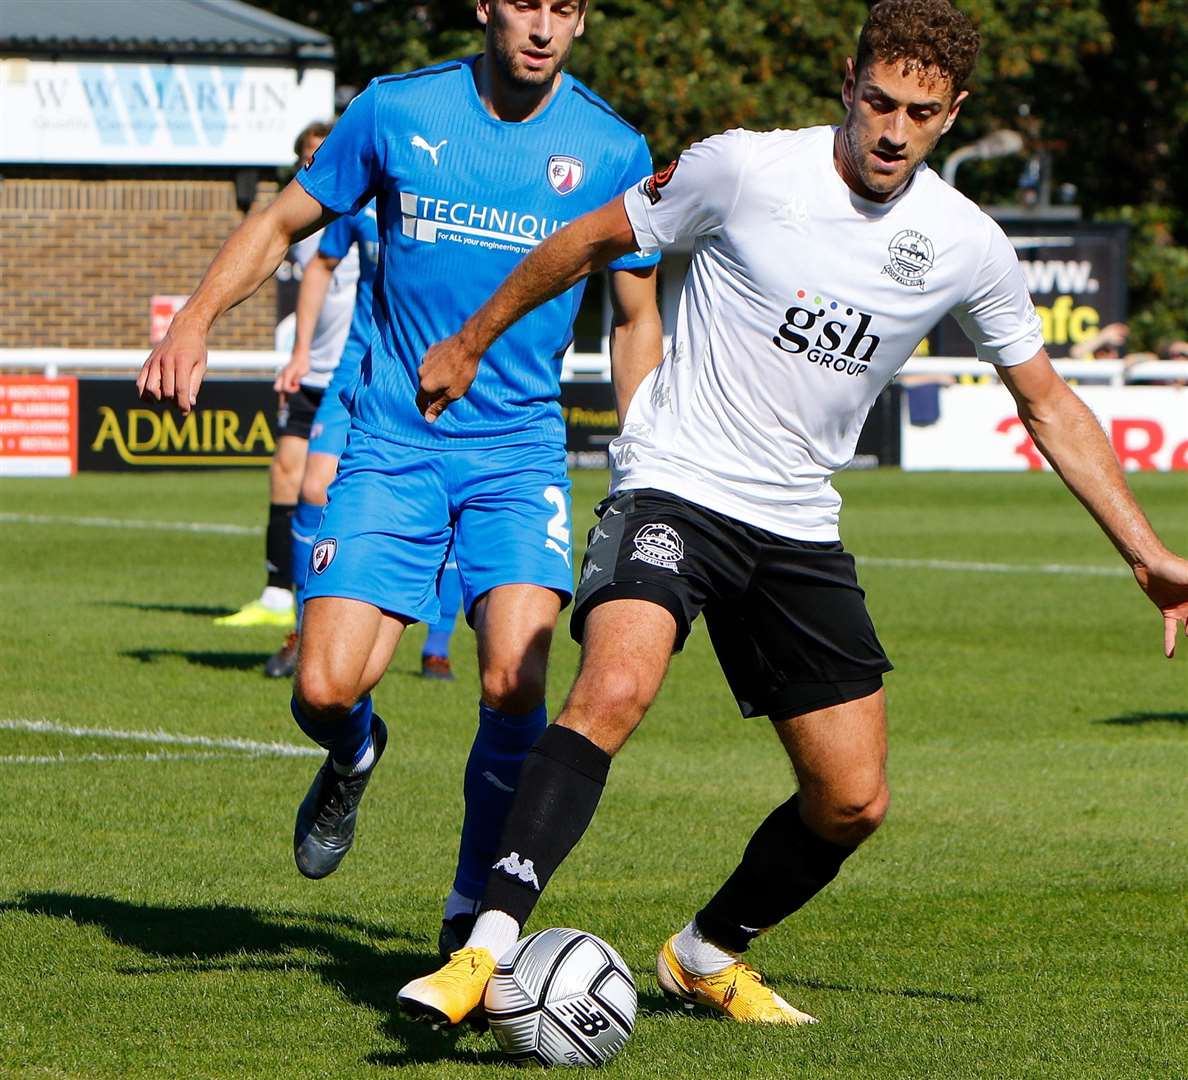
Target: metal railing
[583,366]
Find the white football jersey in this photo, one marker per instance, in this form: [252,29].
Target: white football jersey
[334,320]
[802,302]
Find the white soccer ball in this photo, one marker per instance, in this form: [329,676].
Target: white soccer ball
[561,997]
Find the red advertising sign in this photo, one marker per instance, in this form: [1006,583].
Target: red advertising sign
[38,426]
[161,312]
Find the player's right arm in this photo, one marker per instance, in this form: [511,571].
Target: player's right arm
[673,205]
[251,254]
[315,283]
[560,262]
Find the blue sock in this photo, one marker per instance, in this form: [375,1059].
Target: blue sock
[449,595]
[304,530]
[346,739]
[492,772]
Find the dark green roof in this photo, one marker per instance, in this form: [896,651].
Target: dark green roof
[224,28]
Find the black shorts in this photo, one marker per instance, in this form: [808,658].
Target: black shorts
[295,417]
[786,617]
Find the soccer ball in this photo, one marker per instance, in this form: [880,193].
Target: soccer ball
[561,997]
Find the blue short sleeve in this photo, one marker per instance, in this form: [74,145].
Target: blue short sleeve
[640,167]
[337,238]
[344,173]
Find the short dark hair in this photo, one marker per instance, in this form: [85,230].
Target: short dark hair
[319,129]
[925,34]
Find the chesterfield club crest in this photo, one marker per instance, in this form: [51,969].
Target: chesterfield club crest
[565,173]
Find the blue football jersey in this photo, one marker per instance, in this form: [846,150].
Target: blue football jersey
[461,197]
[361,229]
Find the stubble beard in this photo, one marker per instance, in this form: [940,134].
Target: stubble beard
[507,59]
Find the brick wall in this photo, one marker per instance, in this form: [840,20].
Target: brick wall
[80,259]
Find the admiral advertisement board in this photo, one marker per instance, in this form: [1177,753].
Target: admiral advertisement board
[1076,274]
[233,425]
[977,428]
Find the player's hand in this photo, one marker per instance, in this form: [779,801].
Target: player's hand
[174,370]
[288,381]
[1166,583]
[446,372]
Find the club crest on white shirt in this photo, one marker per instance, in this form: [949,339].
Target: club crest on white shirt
[565,173]
[911,258]
[792,214]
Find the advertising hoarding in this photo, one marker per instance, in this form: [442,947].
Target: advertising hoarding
[978,429]
[38,426]
[82,112]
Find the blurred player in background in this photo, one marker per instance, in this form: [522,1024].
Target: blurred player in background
[301,384]
[471,163]
[821,258]
[328,431]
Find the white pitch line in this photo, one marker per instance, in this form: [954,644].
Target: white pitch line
[993,568]
[863,560]
[132,523]
[49,727]
[62,759]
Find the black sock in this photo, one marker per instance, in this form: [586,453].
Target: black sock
[560,785]
[278,545]
[784,866]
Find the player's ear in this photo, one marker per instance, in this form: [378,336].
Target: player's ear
[848,84]
[954,109]
[482,11]
[581,21]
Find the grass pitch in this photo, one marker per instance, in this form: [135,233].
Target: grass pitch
[1021,914]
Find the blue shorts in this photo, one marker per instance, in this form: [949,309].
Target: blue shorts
[332,421]
[393,510]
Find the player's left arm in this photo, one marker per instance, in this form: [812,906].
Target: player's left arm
[637,334]
[588,244]
[1069,436]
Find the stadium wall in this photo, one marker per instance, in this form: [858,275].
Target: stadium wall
[82,257]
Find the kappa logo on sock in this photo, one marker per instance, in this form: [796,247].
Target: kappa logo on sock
[523,870]
[323,555]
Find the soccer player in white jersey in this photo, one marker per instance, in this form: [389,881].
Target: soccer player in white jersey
[821,257]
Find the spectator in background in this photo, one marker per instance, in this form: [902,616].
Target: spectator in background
[1106,344]
[300,385]
[1176,351]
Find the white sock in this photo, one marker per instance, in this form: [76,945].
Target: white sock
[495,931]
[457,904]
[274,598]
[698,955]
[364,763]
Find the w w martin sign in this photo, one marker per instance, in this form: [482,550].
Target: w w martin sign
[157,113]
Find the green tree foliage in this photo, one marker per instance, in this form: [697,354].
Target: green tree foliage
[1105,83]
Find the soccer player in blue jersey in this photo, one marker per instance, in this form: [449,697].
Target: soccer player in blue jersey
[328,431]
[471,164]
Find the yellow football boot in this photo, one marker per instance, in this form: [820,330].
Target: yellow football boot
[451,993]
[256,614]
[738,991]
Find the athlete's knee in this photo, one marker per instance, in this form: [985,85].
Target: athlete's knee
[847,815]
[313,490]
[322,692]
[607,704]
[513,684]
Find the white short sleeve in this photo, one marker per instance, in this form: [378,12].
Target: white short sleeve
[693,196]
[999,317]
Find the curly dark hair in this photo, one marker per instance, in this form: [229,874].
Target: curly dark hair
[925,34]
